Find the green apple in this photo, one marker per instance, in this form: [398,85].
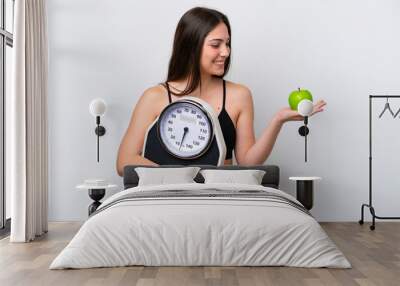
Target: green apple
[298,95]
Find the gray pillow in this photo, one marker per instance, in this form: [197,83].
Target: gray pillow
[163,176]
[248,177]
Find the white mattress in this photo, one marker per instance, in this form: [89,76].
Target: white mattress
[200,231]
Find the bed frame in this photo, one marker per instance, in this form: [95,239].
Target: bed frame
[270,179]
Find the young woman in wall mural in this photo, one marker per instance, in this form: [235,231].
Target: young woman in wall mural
[200,60]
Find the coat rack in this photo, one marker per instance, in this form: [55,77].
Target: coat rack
[369,205]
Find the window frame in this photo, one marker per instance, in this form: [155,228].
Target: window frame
[6,39]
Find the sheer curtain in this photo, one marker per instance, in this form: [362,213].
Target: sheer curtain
[27,123]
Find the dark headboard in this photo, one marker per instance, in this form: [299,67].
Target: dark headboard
[270,179]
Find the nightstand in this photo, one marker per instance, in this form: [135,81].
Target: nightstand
[304,190]
[96,189]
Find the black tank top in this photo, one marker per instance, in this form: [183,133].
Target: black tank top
[227,126]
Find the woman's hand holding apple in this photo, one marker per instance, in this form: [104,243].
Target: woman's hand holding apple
[287,114]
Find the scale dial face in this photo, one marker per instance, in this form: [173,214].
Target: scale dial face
[185,129]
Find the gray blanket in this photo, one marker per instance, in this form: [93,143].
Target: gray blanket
[205,194]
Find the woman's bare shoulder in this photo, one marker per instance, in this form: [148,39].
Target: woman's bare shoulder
[155,93]
[240,93]
[155,96]
[151,102]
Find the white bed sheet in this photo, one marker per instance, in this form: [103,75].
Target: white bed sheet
[200,231]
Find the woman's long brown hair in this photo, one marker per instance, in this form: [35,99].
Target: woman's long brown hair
[190,33]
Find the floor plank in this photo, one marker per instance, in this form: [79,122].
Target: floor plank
[374,255]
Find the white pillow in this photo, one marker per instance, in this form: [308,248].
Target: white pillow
[248,177]
[163,176]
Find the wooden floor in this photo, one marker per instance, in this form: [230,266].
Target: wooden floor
[374,255]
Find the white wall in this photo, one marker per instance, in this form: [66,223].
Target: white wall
[342,51]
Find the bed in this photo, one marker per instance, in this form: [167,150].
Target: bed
[201,223]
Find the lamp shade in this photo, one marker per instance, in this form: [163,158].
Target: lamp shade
[97,107]
[305,107]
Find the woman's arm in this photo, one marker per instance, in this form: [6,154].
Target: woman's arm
[262,147]
[144,113]
[249,151]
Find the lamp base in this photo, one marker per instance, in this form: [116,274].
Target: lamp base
[100,130]
[303,130]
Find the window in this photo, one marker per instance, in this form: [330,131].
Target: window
[6,44]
